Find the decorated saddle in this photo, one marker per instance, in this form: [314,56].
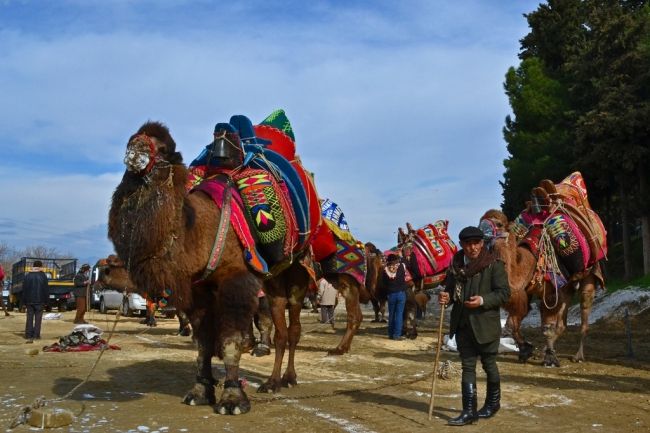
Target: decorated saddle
[334,246]
[433,250]
[276,207]
[560,228]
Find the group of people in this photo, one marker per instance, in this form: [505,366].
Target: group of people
[476,286]
[35,297]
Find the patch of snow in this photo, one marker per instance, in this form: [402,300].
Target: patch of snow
[612,306]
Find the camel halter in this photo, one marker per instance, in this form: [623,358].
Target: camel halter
[138,160]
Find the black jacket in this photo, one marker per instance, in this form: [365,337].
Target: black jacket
[489,281]
[80,286]
[397,284]
[35,288]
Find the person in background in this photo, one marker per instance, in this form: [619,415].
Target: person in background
[2,286]
[327,300]
[81,286]
[476,286]
[394,280]
[35,296]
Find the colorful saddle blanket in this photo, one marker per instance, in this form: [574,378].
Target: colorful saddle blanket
[275,163]
[575,232]
[434,250]
[335,247]
[215,188]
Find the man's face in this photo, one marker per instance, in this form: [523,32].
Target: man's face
[472,247]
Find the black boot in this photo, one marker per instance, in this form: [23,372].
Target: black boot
[469,414]
[492,400]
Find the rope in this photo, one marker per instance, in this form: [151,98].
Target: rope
[23,413]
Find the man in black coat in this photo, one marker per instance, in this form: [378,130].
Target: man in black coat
[476,285]
[35,296]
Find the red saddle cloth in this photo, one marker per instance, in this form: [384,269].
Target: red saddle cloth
[215,189]
[434,251]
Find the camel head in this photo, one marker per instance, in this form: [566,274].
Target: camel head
[374,259]
[152,144]
[113,274]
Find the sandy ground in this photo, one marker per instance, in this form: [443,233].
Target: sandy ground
[381,386]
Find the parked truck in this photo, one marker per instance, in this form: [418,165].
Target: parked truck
[60,273]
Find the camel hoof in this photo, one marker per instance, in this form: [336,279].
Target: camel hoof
[374,321]
[185,332]
[525,352]
[335,352]
[289,381]
[269,387]
[577,359]
[384,321]
[261,350]
[550,360]
[200,395]
[234,401]
[412,336]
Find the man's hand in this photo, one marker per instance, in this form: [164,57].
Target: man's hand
[474,302]
[443,298]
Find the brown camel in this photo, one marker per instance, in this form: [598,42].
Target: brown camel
[165,237]
[521,265]
[375,262]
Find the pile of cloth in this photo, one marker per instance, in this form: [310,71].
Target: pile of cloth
[83,338]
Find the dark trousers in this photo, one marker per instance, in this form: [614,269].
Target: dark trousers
[396,302]
[34,319]
[470,350]
[327,314]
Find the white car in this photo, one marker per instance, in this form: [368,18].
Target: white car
[110,299]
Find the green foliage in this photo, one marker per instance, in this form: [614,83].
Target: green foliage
[538,140]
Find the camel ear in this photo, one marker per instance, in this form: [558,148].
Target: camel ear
[542,196]
[401,236]
[548,186]
[115,261]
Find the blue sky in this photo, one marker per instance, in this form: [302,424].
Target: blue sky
[397,107]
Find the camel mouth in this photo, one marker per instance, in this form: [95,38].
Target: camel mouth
[136,161]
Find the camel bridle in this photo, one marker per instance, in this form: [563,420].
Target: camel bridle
[141,154]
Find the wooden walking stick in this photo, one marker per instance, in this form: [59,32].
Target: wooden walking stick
[435,363]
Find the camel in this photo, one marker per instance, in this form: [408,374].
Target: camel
[165,237]
[521,265]
[375,262]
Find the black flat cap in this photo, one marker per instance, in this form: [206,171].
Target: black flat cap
[470,232]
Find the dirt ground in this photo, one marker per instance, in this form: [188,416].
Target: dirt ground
[381,386]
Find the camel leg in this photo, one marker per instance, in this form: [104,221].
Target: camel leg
[236,304]
[410,328]
[350,292]
[204,334]
[587,293]
[375,308]
[525,348]
[264,324]
[553,325]
[184,326]
[280,338]
[289,378]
